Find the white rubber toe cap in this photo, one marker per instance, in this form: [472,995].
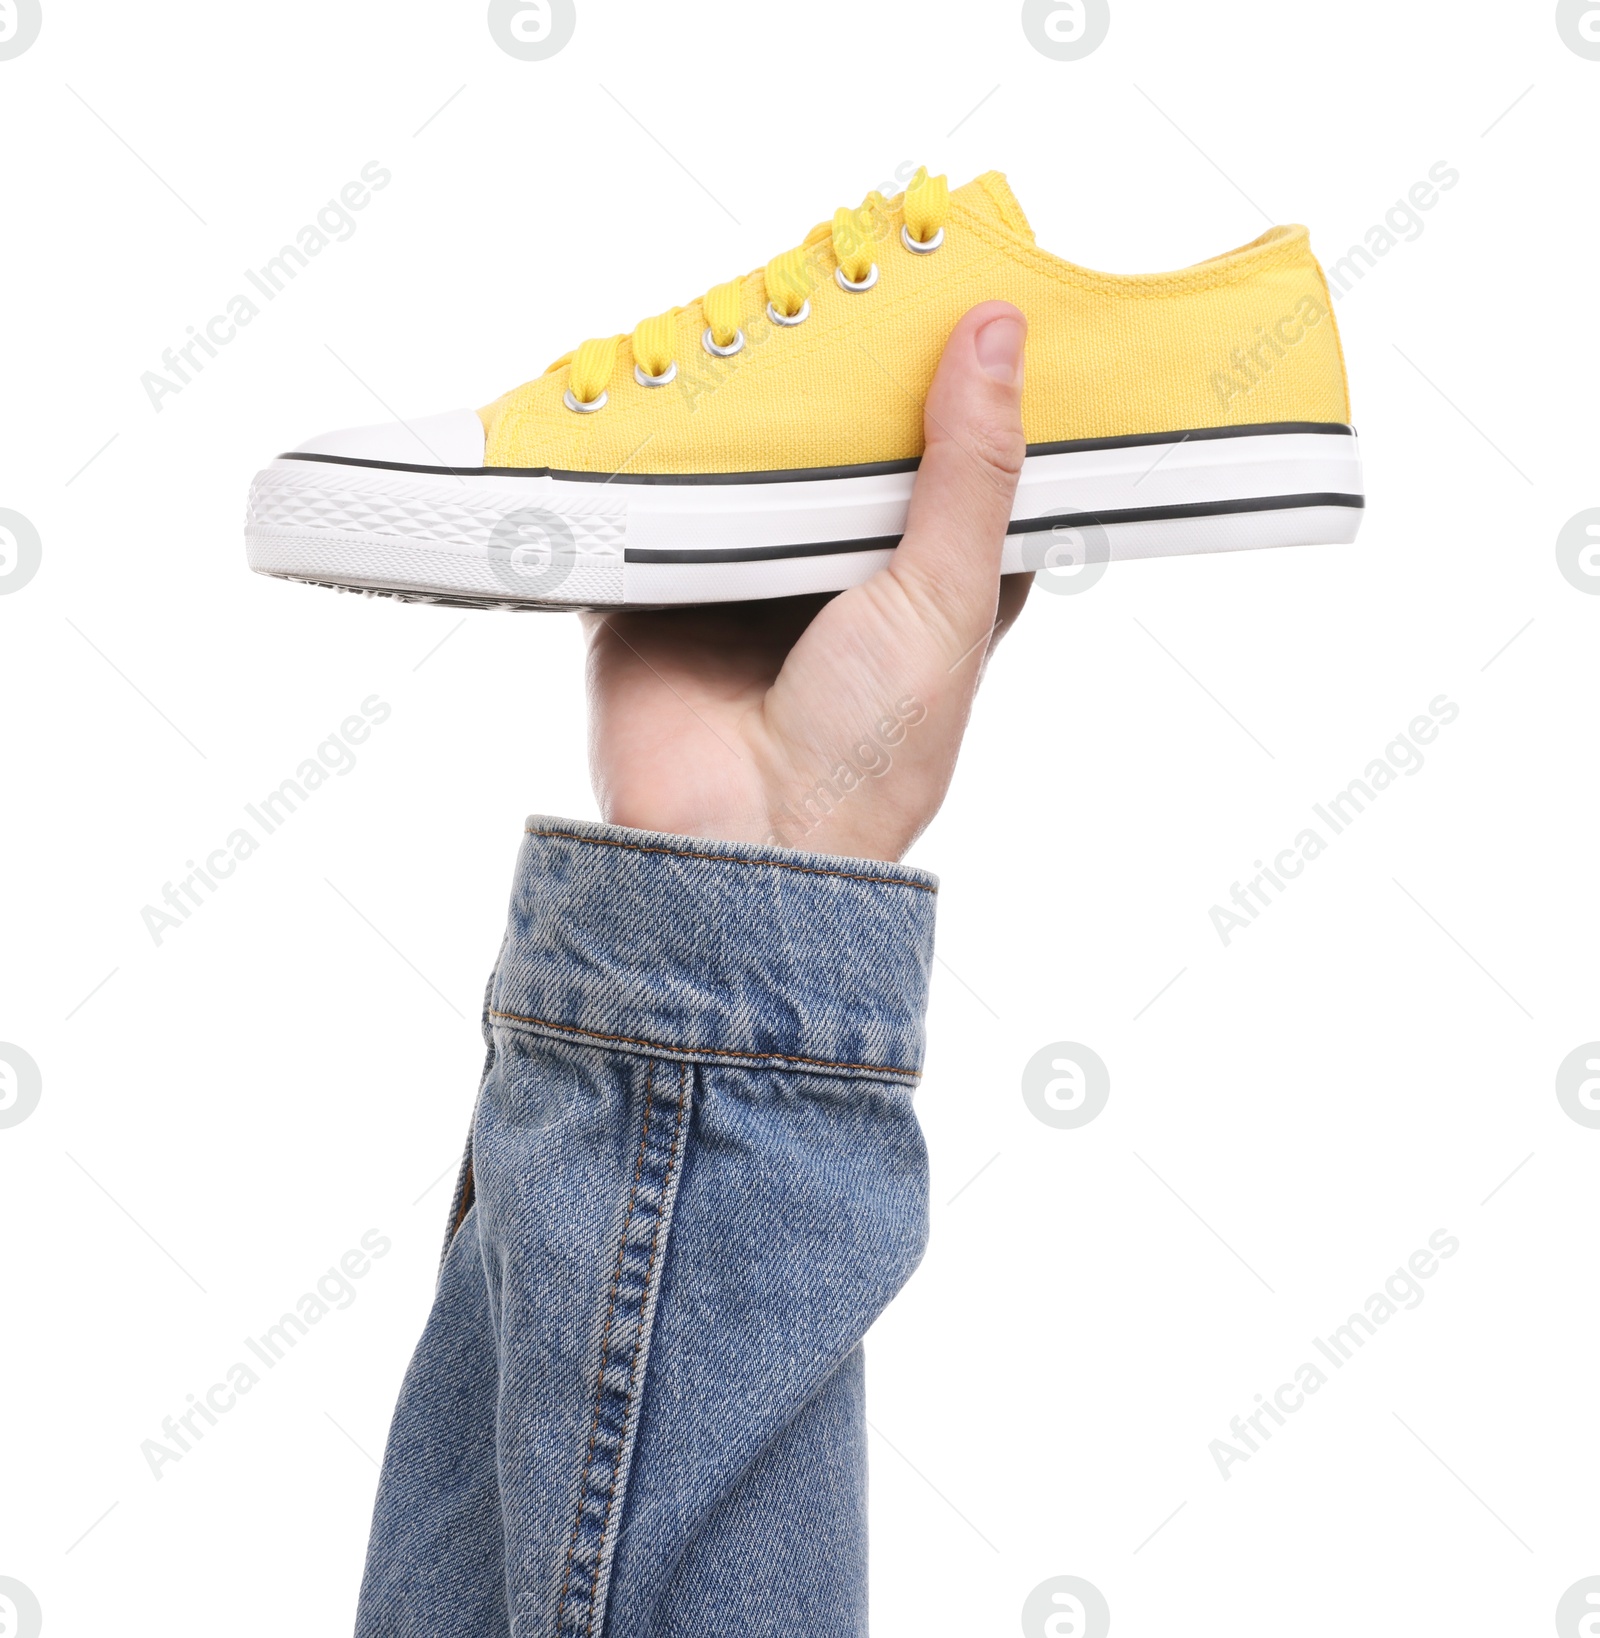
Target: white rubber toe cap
[453,440]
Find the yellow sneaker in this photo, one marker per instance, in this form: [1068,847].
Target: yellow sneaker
[762,440]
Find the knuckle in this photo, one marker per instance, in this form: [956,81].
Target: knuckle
[998,446]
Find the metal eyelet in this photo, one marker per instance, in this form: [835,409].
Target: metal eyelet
[708,341]
[790,319]
[923,247]
[866,284]
[581,408]
[655,380]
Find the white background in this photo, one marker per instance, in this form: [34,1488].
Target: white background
[227,1113]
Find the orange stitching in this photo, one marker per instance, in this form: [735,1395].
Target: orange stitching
[638,1341]
[605,1341]
[710,1052]
[731,858]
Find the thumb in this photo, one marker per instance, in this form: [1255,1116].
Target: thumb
[948,562]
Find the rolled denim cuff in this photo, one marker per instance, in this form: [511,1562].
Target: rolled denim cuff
[717,952]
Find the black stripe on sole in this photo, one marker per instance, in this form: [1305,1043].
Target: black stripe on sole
[1018,526]
[812,474]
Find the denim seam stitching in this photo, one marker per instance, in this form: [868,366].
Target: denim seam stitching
[713,1052]
[605,1340]
[638,1341]
[732,858]
[615,1406]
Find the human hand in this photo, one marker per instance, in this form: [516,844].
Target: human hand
[830,723]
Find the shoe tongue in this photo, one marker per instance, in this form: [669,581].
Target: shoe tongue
[990,197]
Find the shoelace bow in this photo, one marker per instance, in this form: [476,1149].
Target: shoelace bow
[790,279]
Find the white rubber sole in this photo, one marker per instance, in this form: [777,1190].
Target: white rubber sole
[502,537]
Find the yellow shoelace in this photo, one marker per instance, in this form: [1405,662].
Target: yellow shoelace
[790,279]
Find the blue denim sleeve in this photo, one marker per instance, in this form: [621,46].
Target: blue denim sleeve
[694,1180]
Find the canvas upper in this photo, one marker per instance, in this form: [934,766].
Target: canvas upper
[1245,338]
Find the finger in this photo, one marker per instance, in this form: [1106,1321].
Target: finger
[948,562]
[1014,589]
[974,661]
